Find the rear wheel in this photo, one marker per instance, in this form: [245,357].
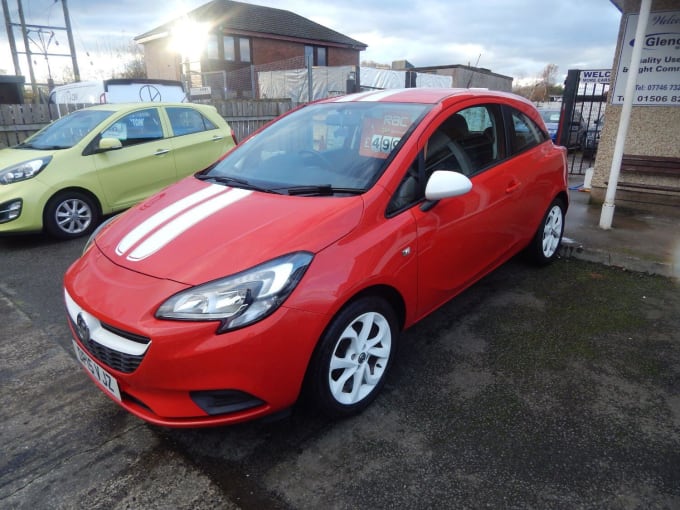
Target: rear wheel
[546,242]
[351,362]
[70,214]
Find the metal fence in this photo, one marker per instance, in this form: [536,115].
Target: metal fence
[243,83]
[584,103]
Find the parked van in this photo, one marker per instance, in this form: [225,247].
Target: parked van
[120,90]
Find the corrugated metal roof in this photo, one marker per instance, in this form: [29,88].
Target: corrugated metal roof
[240,16]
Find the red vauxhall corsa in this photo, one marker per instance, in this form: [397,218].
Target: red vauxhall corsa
[294,262]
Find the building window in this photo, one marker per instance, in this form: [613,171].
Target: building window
[229,48]
[321,57]
[317,54]
[212,48]
[236,49]
[244,49]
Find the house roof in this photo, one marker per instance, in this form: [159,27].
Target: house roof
[249,19]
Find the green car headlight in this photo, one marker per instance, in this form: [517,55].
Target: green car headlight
[23,171]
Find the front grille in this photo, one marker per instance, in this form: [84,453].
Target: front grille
[126,334]
[120,361]
[126,363]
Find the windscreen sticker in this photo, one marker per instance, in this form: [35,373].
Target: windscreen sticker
[380,136]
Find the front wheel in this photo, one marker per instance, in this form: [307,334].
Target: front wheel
[351,361]
[546,242]
[70,214]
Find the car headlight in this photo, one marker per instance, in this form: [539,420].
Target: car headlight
[23,171]
[240,299]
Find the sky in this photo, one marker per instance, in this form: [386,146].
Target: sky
[516,38]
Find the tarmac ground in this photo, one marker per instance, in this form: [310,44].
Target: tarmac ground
[556,387]
[639,240]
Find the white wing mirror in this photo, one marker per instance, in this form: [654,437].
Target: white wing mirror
[446,184]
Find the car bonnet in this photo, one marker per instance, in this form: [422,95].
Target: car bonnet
[194,232]
[12,156]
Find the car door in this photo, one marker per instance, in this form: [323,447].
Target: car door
[530,163]
[461,239]
[144,164]
[197,141]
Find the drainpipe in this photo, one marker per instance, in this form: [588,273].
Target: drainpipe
[607,214]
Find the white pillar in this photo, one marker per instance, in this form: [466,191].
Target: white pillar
[607,214]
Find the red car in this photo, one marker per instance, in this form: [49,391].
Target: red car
[294,262]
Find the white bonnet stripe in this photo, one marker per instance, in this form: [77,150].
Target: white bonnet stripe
[185,221]
[141,230]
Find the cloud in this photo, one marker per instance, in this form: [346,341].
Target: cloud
[516,38]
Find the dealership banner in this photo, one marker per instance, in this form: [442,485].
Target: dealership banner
[658,82]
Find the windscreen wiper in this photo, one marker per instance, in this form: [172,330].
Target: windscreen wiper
[236,183]
[24,145]
[323,190]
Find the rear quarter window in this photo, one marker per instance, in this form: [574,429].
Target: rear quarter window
[524,132]
[185,121]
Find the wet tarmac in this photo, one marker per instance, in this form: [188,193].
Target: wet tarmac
[638,240]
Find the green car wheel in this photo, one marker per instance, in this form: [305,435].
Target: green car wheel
[70,214]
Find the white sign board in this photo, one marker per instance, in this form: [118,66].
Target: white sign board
[600,76]
[658,82]
[200,91]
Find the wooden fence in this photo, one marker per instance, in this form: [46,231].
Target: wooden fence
[18,122]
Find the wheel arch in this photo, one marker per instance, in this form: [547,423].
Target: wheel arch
[77,189]
[564,197]
[386,292]
[389,294]
[383,291]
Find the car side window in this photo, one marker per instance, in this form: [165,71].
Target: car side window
[525,133]
[137,127]
[469,141]
[185,121]
[442,152]
[481,141]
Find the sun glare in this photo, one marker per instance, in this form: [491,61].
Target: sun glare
[188,38]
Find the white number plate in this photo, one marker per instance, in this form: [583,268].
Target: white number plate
[105,380]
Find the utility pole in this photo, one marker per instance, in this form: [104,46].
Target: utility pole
[42,43]
[10,37]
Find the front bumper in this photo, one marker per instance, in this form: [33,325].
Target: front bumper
[183,374]
[31,196]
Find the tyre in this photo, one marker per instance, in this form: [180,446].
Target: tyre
[544,246]
[70,214]
[352,359]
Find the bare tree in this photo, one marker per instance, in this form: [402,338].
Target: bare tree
[134,66]
[548,75]
[543,87]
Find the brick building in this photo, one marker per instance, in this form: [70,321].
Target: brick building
[236,36]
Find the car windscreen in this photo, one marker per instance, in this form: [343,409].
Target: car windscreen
[67,131]
[328,148]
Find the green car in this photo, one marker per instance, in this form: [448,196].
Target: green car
[104,159]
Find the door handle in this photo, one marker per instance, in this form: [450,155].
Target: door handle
[513,186]
[160,152]
[217,138]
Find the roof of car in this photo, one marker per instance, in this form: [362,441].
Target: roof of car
[424,95]
[124,106]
